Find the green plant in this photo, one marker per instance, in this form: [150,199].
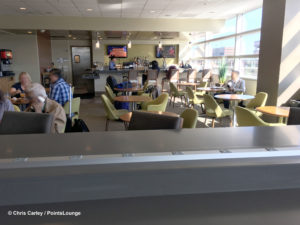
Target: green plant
[222,71]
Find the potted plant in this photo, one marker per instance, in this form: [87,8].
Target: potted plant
[222,71]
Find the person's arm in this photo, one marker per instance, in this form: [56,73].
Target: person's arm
[13,91]
[55,93]
[241,87]
[9,106]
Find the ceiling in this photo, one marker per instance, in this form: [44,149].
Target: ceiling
[108,35]
[203,9]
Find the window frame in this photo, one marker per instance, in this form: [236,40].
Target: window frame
[236,36]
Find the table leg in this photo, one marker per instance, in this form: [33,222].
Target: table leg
[233,105]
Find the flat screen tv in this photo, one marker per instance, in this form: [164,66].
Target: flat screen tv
[118,51]
[167,51]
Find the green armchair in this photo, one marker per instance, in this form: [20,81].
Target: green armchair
[111,112]
[248,118]
[214,111]
[175,93]
[190,117]
[158,104]
[259,101]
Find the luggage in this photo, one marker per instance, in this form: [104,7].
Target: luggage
[79,125]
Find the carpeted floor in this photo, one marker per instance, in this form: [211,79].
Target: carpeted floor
[92,112]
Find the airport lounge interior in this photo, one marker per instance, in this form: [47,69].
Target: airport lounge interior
[139,112]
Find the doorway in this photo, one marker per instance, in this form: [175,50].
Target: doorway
[81,64]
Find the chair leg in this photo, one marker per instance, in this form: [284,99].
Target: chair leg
[125,125]
[231,122]
[205,121]
[174,102]
[106,125]
[213,123]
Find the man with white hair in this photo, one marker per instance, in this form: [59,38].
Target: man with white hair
[40,103]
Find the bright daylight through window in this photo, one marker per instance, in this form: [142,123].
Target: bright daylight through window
[238,42]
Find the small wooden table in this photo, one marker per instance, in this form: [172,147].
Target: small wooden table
[280,112]
[188,84]
[234,98]
[132,99]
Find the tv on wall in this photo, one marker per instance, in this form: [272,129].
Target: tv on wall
[117,51]
[167,51]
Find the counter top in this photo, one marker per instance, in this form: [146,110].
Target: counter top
[211,166]
[120,142]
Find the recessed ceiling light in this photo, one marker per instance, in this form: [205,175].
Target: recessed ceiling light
[89,10]
[43,31]
[74,38]
[152,11]
[29,32]
[23,8]
[212,12]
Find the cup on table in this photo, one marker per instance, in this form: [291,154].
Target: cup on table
[22,95]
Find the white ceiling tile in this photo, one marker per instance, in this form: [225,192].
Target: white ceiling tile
[131,8]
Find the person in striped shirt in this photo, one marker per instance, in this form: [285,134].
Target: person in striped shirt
[59,89]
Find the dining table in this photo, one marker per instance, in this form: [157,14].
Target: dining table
[128,90]
[234,99]
[133,99]
[211,89]
[20,102]
[276,111]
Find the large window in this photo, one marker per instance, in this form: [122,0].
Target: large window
[238,42]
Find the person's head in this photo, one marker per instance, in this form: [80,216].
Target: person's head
[52,64]
[235,75]
[155,64]
[24,78]
[113,58]
[36,93]
[55,74]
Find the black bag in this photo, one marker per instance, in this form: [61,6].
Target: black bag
[79,126]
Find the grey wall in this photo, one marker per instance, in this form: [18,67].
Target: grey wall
[25,53]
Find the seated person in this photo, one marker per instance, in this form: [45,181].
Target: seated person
[39,103]
[59,89]
[235,86]
[18,88]
[5,105]
[154,66]
[112,63]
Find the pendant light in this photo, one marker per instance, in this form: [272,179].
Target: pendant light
[129,44]
[160,44]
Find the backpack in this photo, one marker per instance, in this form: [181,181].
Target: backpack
[79,126]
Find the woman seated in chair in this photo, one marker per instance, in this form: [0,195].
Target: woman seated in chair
[18,88]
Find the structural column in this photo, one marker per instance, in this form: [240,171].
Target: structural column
[279,66]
